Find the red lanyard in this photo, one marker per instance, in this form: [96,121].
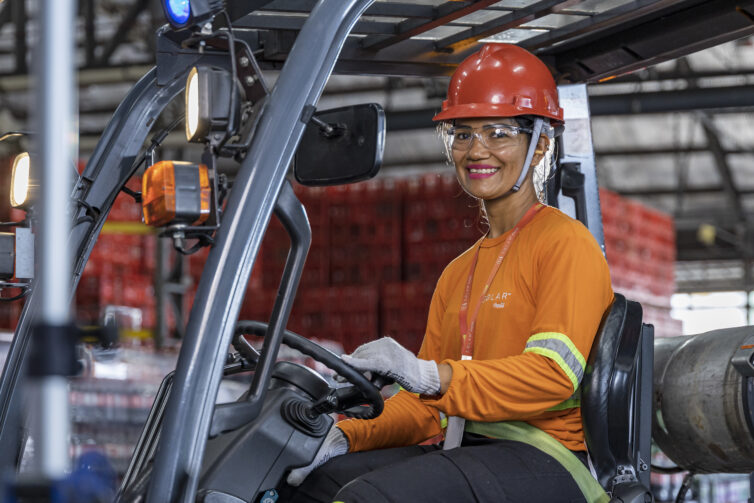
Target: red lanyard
[467,329]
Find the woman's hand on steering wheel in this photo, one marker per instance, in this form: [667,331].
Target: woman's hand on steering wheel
[388,358]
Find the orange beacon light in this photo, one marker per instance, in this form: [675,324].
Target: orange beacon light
[176,192]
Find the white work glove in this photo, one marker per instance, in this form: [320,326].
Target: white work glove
[335,444]
[387,357]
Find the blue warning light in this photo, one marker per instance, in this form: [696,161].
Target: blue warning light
[178,11]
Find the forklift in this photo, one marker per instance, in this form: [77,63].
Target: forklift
[691,394]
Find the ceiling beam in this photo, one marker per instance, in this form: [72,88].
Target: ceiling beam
[664,192]
[295,23]
[714,98]
[511,20]
[661,151]
[702,98]
[652,75]
[681,27]
[386,9]
[593,23]
[446,12]
[721,163]
[124,27]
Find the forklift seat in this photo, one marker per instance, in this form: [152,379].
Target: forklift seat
[616,402]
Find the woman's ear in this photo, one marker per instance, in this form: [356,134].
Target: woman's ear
[542,145]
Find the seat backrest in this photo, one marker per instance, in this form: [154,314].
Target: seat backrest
[616,397]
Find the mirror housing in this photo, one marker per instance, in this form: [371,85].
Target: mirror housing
[340,146]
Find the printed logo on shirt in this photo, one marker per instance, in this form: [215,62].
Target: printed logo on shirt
[498,299]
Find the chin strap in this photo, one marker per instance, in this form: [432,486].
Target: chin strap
[536,132]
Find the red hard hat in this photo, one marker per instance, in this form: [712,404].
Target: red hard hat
[501,80]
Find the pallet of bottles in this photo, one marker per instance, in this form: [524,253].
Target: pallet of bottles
[705,488]
[440,222]
[120,269]
[112,398]
[640,248]
[347,315]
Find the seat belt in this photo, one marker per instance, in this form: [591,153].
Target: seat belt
[523,432]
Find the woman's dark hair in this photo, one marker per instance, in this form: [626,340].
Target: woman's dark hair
[525,121]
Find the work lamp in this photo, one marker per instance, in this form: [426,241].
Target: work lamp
[186,13]
[19,184]
[208,103]
[176,192]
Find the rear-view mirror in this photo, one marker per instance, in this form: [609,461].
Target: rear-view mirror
[340,146]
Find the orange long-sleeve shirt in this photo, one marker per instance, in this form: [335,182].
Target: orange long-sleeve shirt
[533,334]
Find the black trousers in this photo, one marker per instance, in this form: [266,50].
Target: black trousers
[482,470]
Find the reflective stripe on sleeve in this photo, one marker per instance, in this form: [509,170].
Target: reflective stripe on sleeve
[559,348]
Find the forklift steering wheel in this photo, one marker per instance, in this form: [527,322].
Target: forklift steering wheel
[369,390]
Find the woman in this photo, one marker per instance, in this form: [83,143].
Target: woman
[510,326]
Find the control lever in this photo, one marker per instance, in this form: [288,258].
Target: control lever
[245,348]
[345,398]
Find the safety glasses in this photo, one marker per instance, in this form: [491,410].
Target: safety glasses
[492,136]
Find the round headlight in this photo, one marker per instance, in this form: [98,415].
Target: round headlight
[19,191]
[192,104]
[178,11]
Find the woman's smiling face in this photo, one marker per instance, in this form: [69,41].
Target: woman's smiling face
[484,172]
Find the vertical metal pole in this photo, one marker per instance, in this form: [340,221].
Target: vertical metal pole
[577,148]
[55,117]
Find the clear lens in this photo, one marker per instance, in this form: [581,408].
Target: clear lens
[192,104]
[178,10]
[493,136]
[19,190]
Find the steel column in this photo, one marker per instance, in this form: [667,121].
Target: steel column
[56,96]
[18,11]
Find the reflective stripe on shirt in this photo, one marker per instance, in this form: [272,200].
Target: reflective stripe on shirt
[559,348]
[572,402]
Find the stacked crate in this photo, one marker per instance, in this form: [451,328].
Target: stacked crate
[365,232]
[403,311]
[640,248]
[277,244]
[441,221]
[377,250]
[121,266]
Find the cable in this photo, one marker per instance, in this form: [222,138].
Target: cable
[155,142]
[136,195]
[24,292]
[91,212]
[685,487]
[232,105]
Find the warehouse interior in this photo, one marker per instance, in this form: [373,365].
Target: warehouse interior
[672,146]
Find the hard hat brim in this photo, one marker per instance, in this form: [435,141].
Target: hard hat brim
[480,110]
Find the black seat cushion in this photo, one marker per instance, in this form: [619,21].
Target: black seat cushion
[607,397]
